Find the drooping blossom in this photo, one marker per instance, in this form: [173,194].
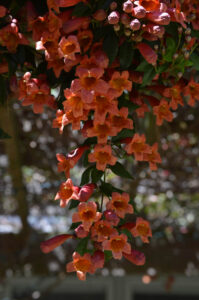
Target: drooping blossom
[120,119]
[118,245]
[111,217]
[192,90]
[120,82]
[67,191]
[60,121]
[80,264]
[68,47]
[81,232]
[162,112]
[87,214]
[65,163]
[102,131]
[102,155]
[102,230]
[153,158]
[138,147]
[142,229]
[120,204]
[174,93]
[148,53]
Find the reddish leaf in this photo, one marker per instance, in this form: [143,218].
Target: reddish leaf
[148,53]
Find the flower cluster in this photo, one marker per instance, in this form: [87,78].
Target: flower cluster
[111,63]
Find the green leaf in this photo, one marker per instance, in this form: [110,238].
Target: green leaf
[126,55]
[163,68]
[81,10]
[195,33]
[120,170]
[86,176]
[4,135]
[96,175]
[110,46]
[124,133]
[108,255]
[108,189]
[148,76]
[73,204]
[82,246]
[170,49]
[143,66]
[127,233]
[194,58]
[74,225]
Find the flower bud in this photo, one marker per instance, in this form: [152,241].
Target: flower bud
[100,15]
[186,55]
[116,27]
[80,232]
[135,24]
[139,12]
[113,5]
[127,32]
[125,19]
[114,17]
[128,6]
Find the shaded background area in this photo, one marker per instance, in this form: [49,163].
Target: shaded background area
[168,198]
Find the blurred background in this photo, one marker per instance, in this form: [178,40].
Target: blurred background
[168,198]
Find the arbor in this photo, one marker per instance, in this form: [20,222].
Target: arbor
[102,67]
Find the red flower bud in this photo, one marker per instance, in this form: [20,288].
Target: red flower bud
[114,17]
[56,241]
[136,257]
[100,15]
[86,191]
[135,24]
[128,6]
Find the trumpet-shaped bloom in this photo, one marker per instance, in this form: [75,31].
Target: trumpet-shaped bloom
[150,5]
[120,204]
[120,120]
[153,158]
[60,121]
[76,121]
[102,155]
[56,241]
[192,90]
[102,131]
[119,83]
[162,112]
[118,245]
[90,81]
[80,264]
[68,162]
[174,93]
[75,103]
[142,229]
[87,214]
[85,38]
[138,147]
[67,191]
[102,105]
[68,47]
[102,230]
[10,37]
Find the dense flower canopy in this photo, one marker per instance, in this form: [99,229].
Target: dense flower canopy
[95,64]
